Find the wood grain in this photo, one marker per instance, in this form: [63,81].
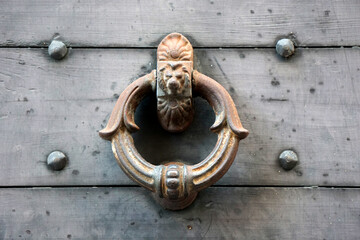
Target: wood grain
[309,103]
[226,213]
[206,23]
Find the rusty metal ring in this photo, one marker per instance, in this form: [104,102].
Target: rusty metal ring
[175,184]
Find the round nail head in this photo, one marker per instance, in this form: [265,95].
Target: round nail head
[288,159]
[285,47]
[56,160]
[57,49]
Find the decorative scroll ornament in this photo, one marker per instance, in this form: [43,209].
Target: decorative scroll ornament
[175,184]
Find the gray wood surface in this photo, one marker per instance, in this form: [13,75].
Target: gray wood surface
[309,103]
[206,22]
[218,213]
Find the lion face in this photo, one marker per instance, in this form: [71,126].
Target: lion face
[173,79]
[174,95]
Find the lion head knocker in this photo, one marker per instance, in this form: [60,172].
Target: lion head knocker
[175,184]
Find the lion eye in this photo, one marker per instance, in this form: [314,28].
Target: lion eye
[168,74]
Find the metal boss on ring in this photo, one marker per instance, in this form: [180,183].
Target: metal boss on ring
[175,184]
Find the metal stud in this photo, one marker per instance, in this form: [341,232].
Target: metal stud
[57,49]
[57,160]
[288,159]
[285,47]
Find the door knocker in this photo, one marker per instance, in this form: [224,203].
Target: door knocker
[175,184]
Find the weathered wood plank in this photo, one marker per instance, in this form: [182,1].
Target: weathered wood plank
[206,22]
[309,103]
[226,213]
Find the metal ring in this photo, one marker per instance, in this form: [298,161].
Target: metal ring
[175,184]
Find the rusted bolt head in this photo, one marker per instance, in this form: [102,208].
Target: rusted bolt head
[57,49]
[56,160]
[288,159]
[285,47]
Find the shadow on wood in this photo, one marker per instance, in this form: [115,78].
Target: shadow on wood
[158,146]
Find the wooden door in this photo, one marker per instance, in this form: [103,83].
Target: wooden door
[308,103]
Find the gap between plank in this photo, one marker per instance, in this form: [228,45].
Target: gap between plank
[214,186]
[154,48]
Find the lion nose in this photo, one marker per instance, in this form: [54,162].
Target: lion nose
[173,84]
